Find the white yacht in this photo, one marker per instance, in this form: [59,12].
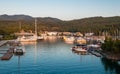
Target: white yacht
[27,38]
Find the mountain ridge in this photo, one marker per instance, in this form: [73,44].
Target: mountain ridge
[29,18]
[25,17]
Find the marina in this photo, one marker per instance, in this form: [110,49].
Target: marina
[45,57]
[13,49]
[60,37]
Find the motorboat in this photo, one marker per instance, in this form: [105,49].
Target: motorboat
[80,48]
[20,50]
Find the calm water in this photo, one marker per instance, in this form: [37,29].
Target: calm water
[55,57]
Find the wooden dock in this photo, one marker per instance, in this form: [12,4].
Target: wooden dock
[8,54]
[97,54]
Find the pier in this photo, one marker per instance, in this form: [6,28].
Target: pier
[8,54]
[97,54]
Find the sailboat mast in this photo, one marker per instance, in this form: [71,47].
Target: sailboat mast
[35,26]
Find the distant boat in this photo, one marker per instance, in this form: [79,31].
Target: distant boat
[79,48]
[40,37]
[29,38]
[69,39]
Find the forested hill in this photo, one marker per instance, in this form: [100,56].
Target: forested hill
[11,23]
[15,17]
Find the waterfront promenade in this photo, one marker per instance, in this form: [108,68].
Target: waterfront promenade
[3,42]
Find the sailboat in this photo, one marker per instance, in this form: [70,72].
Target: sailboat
[32,38]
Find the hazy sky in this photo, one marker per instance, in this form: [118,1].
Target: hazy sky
[62,9]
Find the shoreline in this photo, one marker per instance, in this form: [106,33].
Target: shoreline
[111,56]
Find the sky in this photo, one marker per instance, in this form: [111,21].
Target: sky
[62,9]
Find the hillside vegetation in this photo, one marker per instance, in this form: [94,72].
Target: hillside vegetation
[11,24]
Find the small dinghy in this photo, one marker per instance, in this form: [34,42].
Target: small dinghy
[79,48]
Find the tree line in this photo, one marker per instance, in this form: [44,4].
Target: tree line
[98,25]
[111,45]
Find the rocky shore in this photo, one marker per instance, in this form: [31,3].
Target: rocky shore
[111,56]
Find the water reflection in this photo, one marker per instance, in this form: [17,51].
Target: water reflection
[80,53]
[28,43]
[35,53]
[50,38]
[69,42]
[111,67]
[51,57]
[18,64]
[34,46]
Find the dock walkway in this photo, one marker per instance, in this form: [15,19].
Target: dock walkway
[3,42]
[8,54]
